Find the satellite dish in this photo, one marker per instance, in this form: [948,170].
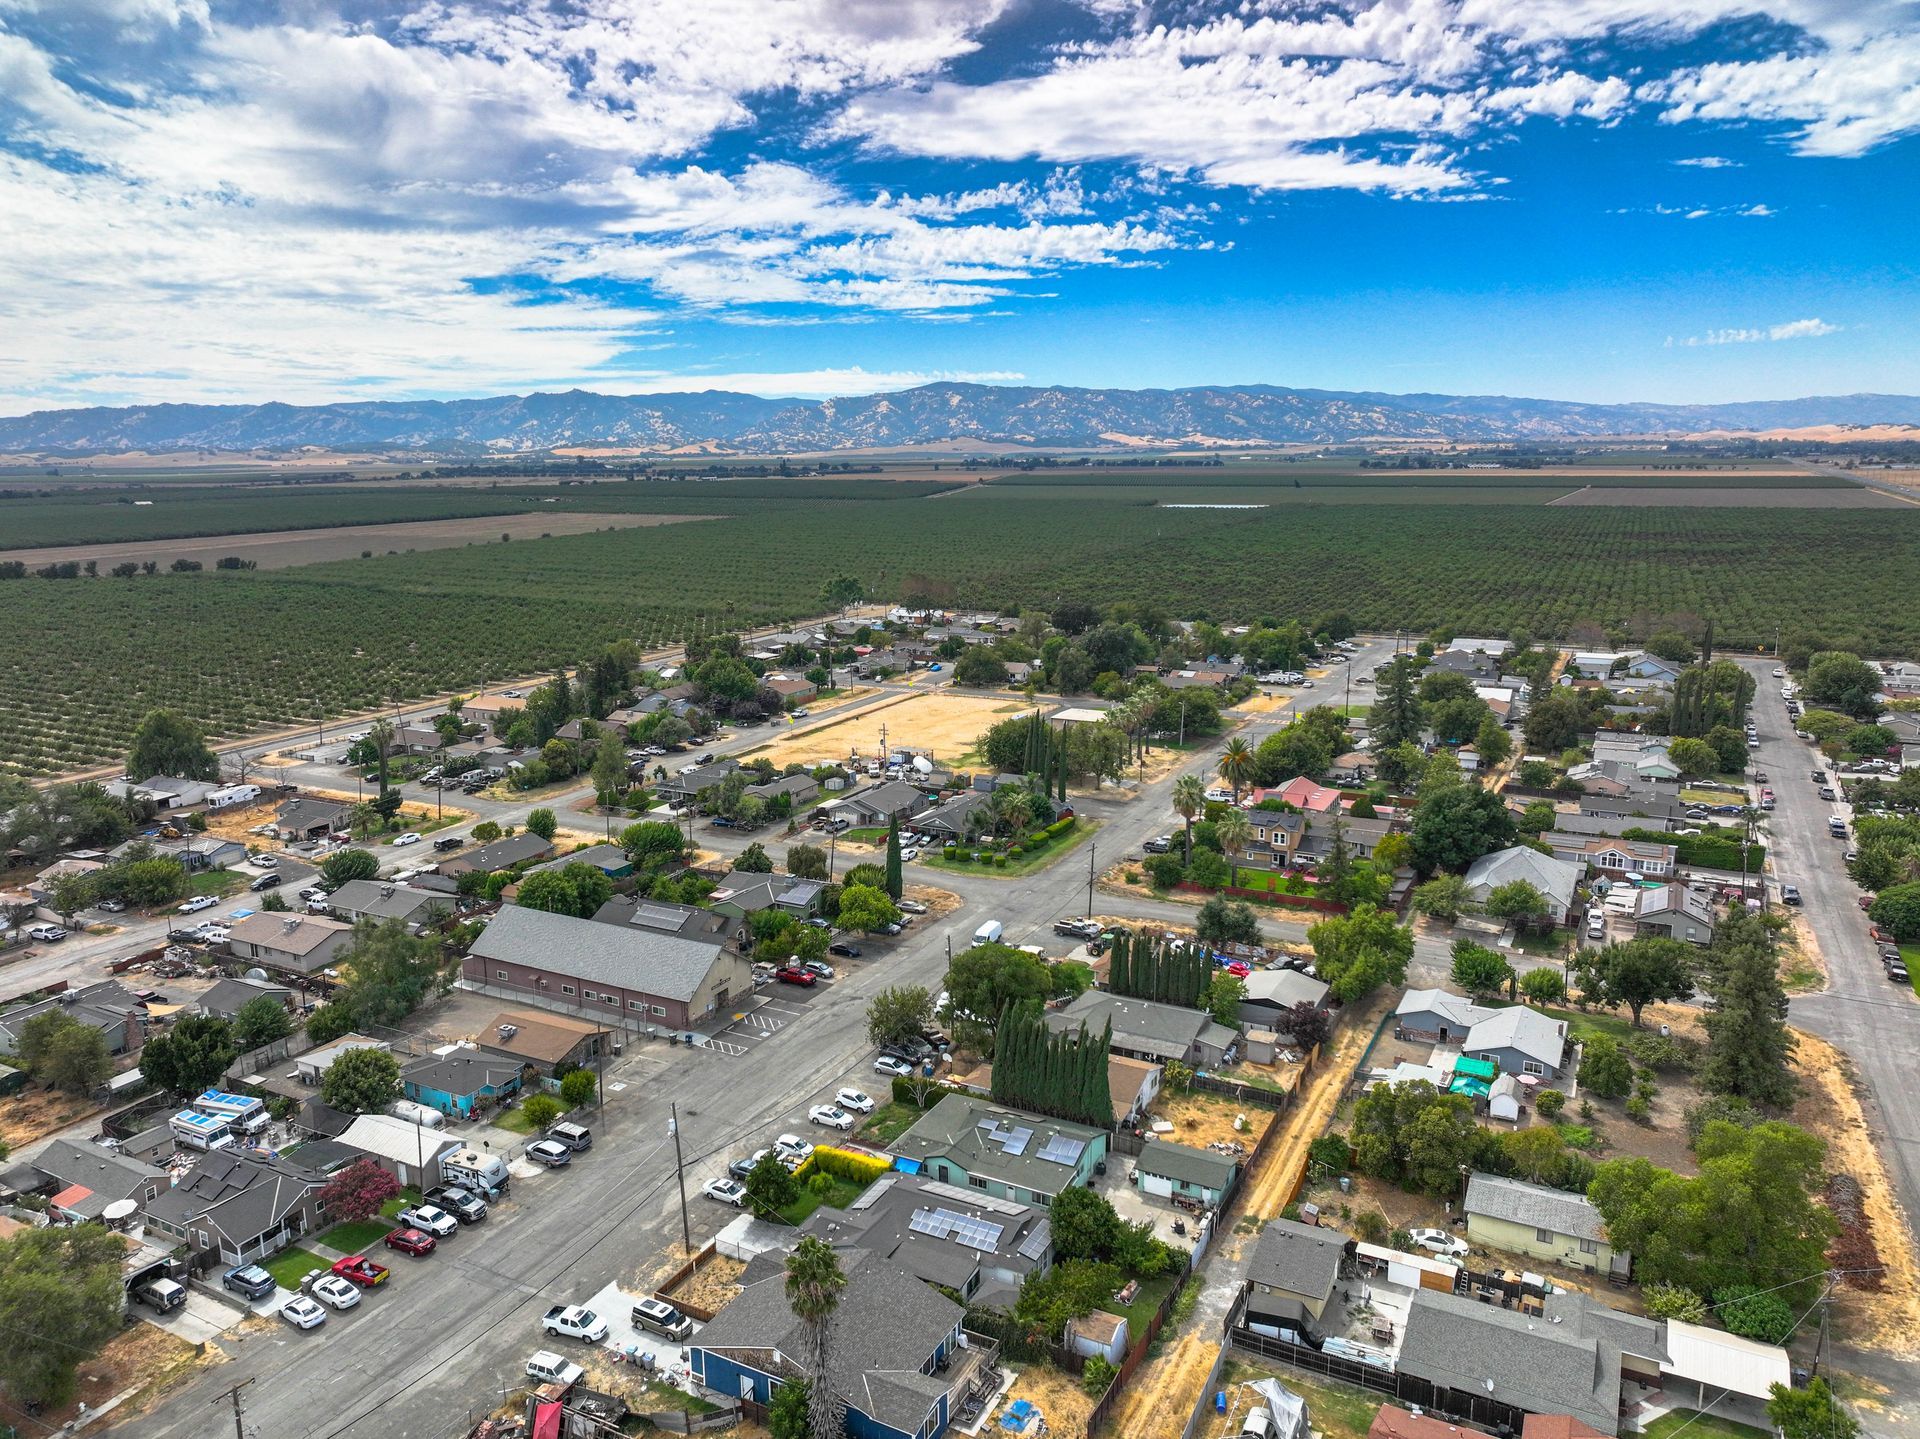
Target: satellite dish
[922,764]
[257,973]
[119,1212]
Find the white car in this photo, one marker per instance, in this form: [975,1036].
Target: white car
[214,933]
[854,1101]
[408,838]
[335,1292]
[898,1068]
[1438,1241]
[198,903]
[263,861]
[47,933]
[793,1149]
[575,1322]
[1219,794]
[831,1116]
[909,855]
[302,1313]
[819,967]
[727,1191]
[437,1222]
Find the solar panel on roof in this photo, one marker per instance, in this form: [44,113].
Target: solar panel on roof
[961,1228]
[1016,1142]
[1062,1149]
[1034,1246]
[873,1192]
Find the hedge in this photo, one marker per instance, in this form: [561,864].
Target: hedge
[861,1169]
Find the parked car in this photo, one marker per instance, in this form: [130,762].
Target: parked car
[1789,894]
[161,1295]
[844,950]
[302,1313]
[265,882]
[727,1191]
[416,1242]
[550,1152]
[856,1101]
[1163,844]
[362,1271]
[890,1064]
[909,854]
[437,1222]
[47,933]
[793,974]
[575,1322]
[1438,1241]
[198,903]
[334,1292]
[661,1318]
[451,842]
[819,969]
[468,1208]
[793,1147]
[112,906]
[1897,972]
[550,1368]
[910,906]
[832,1116]
[405,839]
[742,1167]
[575,1136]
[250,1280]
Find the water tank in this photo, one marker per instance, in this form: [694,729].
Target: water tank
[257,974]
[922,764]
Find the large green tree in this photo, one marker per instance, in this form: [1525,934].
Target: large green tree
[1455,827]
[1845,682]
[1636,973]
[57,1049]
[815,1284]
[190,1057]
[60,1301]
[391,972]
[347,865]
[577,889]
[168,743]
[1357,953]
[866,909]
[261,1020]
[1480,971]
[1396,716]
[898,1012]
[1810,1413]
[1749,1046]
[361,1081]
[984,980]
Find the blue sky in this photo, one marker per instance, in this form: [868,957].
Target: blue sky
[1675,200]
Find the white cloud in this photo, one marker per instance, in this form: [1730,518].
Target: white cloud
[1710,162]
[1791,330]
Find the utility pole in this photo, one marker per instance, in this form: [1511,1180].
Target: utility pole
[1820,1345]
[233,1395]
[1092,849]
[680,1174]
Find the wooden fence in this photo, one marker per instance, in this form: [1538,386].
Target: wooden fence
[680,1276]
[1102,1412]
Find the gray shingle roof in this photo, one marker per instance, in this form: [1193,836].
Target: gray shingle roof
[383,899]
[1298,1258]
[501,853]
[1534,1205]
[229,996]
[628,956]
[952,1128]
[111,1175]
[1163,1029]
[460,1074]
[1199,1167]
[237,1195]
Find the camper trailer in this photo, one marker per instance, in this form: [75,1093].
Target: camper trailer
[243,1113]
[194,1130]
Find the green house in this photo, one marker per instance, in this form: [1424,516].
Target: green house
[1004,1152]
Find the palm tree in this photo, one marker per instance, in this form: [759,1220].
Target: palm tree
[814,1286]
[380,735]
[1236,765]
[1189,800]
[1235,832]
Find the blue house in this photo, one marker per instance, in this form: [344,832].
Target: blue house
[458,1082]
[897,1357]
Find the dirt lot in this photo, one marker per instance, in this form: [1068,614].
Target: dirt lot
[1201,1119]
[713,1284]
[1732,498]
[1058,1397]
[281,549]
[945,726]
[142,1357]
[35,1113]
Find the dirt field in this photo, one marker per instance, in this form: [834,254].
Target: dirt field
[35,1113]
[1731,498]
[945,726]
[1202,1119]
[1057,1395]
[281,549]
[713,1284]
[143,1358]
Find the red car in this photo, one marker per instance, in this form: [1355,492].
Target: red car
[361,1270]
[412,1241]
[1238,970]
[792,974]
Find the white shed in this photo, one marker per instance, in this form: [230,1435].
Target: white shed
[1503,1099]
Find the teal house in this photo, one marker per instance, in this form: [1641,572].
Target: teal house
[459,1083]
[977,1144]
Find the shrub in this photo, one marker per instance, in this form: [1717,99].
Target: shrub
[1662,1053]
[1371,1226]
[1165,870]
[1753,1314]
[1672,1301]
[1097,1377]
[1016,849]
[578,1087]
[1604,1068]
[1549,1102]
[1639,1110]
[999,861]
[540,1109]
[1332,1152]
[860,1169]
[1722,1107]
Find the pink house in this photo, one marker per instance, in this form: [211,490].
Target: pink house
[1303,794]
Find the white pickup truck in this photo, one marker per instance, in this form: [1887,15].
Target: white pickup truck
[571,1321]
[549,1368]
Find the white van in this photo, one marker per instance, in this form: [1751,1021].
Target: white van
[989,933]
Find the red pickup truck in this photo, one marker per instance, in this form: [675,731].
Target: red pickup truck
[361,1270]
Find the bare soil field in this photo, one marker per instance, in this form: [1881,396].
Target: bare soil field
[944,726]
[1731,498]
[282,549]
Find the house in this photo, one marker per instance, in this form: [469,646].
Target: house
[165,791]
[1279,832]
[197,853]
[1517,1039]
[485,709]
[228,997]
[107,1006]
[239,1205]
[1480,668]
[1590,825]
[1145,1029]
[298,943]
[691,784]
[1271,995]
[1469,645]
[1558,880]
[312,817]
[953,822]
[1541,1223]
[499,855]
[896,1356]
[1303,794]
[1293,1273]
[1646,755]
[881,803]
[460,1081]
[83,1179]
[410,1152]
[1362,836]
[545,1042]
[684,920]
[976,1144]
[1612,855]
[980,1247]
[1652,667]
[1132,1085]
[1600,663]
[40,887]
[383,899]
[1353,767]
[609,859]
[792,690]
[1502,1364]
[624,975]
[1654,811]
[798,789]
[743,893]
[310,1068]
[1675,911]
[1178,1171]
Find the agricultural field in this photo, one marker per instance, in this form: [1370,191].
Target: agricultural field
[1729,497]
[246,651]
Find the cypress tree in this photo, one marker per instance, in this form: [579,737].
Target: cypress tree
[894,882]
[1119,980]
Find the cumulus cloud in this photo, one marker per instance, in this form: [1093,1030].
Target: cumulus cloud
[1791,330]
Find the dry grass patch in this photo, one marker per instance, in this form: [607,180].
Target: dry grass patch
[144,1359]
[943,725]
[36,1113]
[1057,1395]
[713,1285]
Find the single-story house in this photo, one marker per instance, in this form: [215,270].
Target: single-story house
[196,853]
[1479,667]
[1517,1039]
[83,1179]
[799,788]
[1132,1085]
[107,1006]
[383,899]
[40,887]
[693,782]
[609,859]
[952,821]
[229,996]
[499,855]
[684,920]
[310,1068]
[1615,856]
[882,802]
[1558,880]
[239,1205]
[793,690]
[1293,1273]
[1591,825]
[1179,1171]
[976,1144]
[627,975]
[546,1042]
[1272,995]
[485,709]
[410,1152]
[1675,911]
[1148,1030]
[166,791]
[980,1247]
[1652,667]
[1303,794]
[299,943]
[743,893]
[457,1082]
[1649,810]
[311,817]
[1543,1223]
[895,1354]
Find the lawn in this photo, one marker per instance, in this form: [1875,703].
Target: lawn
[290,1266]
[1701,1426]
[1911,954]
[357,1236]
[1273,883]
[888,1123]
[871,834]
[843,1193]
[1140,1312]
[217,882]
[654,1397]
[513,1120]
[1028,863]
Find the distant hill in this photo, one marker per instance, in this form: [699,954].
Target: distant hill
[1050,416]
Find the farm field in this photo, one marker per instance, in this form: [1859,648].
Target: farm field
[241,652]
[1730,497]
[1389,482]
[283,549]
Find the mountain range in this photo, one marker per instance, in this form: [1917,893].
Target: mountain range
[936,414]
